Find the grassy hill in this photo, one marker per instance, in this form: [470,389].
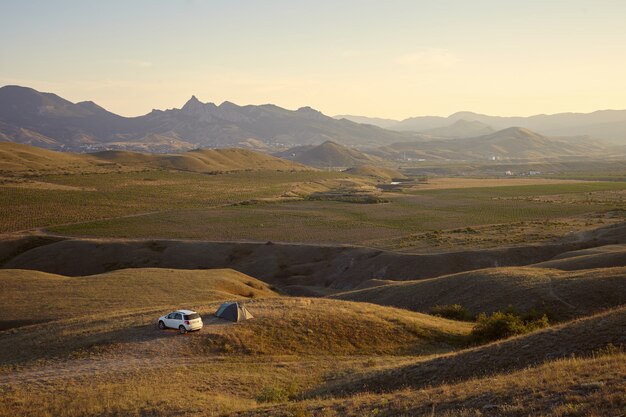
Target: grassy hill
[120,290]
[602,256]
[574,387]
[281,326]
[328,154]
[376,172]
[581,337]
[563,295]
[17,158]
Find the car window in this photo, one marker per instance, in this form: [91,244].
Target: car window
[171,315]
[192,316]
[178,316]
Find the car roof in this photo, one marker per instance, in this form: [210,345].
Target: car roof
[185,311]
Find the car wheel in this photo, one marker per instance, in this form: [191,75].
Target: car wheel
[182,330]
[161,325]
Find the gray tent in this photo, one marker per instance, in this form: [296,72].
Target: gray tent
[233,312]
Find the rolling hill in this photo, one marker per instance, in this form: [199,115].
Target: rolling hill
[281,325]
[328,154]
[120,290]
[47,120]
[19,158]
[564,295]
[580,337]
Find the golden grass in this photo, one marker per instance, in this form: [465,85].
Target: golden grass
[564,295]
[33,296]
[581,337]
[18,158]
[282,326]
[590,387]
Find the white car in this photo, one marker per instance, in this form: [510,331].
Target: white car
[183,320]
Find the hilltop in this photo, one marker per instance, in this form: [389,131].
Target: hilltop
[328,154]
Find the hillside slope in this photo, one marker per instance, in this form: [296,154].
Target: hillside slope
[23,292]
[21,158]
[599,257]
[327,154]
[281,326]
[562,294]
[581,337]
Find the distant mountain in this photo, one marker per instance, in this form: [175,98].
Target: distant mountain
[461,129]
[328,154]
[16,157]
[514,143]
[375,121]
[609,125]
[47,120]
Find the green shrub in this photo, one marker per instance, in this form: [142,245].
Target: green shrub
[274,394]
[501,325]
[452,312]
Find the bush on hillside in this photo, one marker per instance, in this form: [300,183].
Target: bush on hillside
[452,312]
[501,325]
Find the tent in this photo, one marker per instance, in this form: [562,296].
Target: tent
[233,312]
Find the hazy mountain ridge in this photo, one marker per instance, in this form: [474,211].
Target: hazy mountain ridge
[609,125]
[507,144]
[47,120]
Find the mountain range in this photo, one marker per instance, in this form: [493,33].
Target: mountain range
[608,125]
[47,120]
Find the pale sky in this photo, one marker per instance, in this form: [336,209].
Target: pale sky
[391,58]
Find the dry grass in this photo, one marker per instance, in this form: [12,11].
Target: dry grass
[580,337]
[282,326]
[590,387]
[563,295]
[32,296]
[162,385]
[18,159]
[604,256]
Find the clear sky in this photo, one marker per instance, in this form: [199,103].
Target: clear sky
[386,58]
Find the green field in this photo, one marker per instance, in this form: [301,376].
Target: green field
[98,196]
[371,224]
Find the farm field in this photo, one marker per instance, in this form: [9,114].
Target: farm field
[58,199]
[412,220]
